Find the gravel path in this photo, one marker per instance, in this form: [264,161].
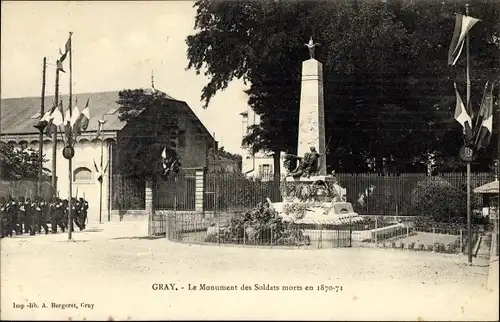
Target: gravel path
[114,266]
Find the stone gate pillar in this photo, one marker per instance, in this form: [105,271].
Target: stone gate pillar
[149,197]
[199,189]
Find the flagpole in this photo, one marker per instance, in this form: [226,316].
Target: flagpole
[469,217]
[40,138]
[54,140]
[497,220]
[70,143]
[101,124]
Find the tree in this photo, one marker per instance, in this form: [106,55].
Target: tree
[150,129]
[17,164]
[386,79]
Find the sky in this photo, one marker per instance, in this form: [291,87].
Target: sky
[116,45]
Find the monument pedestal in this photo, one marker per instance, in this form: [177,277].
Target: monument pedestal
[315,200]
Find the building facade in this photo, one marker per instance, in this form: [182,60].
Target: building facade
[261,164]
[192,143]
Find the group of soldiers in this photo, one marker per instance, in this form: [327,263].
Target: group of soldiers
[28,216]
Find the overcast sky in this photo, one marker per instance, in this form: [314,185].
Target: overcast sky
[116,45]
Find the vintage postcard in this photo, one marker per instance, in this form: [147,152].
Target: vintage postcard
[250,160]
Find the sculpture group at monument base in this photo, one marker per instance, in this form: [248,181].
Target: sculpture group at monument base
[315,200]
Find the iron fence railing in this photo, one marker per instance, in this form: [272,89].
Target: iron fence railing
[230,229]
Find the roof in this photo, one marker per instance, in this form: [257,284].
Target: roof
[490,187]
[18,115]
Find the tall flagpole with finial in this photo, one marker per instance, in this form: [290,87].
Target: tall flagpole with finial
[469,215]
[70,139]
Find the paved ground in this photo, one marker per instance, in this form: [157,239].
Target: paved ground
[114,266]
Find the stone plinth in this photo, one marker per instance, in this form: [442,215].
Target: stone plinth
[315,200]
[312,112]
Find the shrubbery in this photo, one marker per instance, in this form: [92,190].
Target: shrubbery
[261,225]
[436,200]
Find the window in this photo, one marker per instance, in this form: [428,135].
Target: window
[265,171]
[82,175]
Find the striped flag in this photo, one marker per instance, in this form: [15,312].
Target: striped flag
[67,49]
[463,117]
[80,120]
[484,126]
[55,120]
[462,26]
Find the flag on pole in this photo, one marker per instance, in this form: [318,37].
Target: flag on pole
[58,115]
[485,119]
[463,117]
[67,49]
[99,129]
[82,119]
[100,171]
[43,122]
[462,26]
[74,115]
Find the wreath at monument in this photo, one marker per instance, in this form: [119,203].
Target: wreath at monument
[295,210]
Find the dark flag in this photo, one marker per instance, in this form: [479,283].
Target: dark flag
[484,127]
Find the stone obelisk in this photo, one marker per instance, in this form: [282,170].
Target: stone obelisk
[312,109]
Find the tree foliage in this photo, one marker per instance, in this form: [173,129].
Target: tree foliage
[149,130]
[17,164]
[386,79]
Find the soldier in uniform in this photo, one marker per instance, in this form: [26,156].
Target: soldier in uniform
[84,209]
[3,204]
[76,213]
[10,216]
[21,215]
[57,215]
[40,219]
[29,216]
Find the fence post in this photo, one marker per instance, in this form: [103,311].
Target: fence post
[461,241]
[433,241]
[272,230]
[407,232]
[320,240]
[376,234]
[350,232]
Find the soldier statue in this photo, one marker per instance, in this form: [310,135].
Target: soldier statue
[309,164]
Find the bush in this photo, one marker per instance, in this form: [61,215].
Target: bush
[439,201]
[261,225]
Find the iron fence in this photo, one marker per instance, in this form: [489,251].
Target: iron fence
[232,229]
[375,194]
[176,193]
[127,193]
[370,194]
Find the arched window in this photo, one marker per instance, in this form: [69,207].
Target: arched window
[82,175]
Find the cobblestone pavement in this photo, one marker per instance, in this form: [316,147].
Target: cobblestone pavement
[109,272]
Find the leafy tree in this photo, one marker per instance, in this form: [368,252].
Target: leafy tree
[229,155]
[17,164]
[150,129]
[387,84]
